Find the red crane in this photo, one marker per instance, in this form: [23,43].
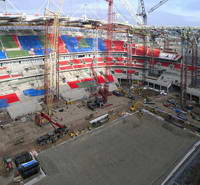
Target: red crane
[109,32]
[40,115]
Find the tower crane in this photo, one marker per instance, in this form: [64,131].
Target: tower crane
[51,62]
[157,6]
[109,31]
[141,12]
[127,5]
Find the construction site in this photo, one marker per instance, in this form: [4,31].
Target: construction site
[85,101]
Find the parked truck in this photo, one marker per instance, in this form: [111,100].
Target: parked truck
[26,165]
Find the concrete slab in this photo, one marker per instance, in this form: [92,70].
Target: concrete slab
[130,151]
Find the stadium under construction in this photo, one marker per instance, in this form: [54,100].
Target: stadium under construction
[63,78]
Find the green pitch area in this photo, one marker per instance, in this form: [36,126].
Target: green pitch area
[83,44]
[8,41]
[18,53]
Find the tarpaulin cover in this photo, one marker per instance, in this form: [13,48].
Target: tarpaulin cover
[100,80]
[11,98]
[118,71]
[73,84]
[110,78]
[3,103]
[34,92]
[131,71]
[4,77]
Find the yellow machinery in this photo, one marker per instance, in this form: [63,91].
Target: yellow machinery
[136,106]
[122,91]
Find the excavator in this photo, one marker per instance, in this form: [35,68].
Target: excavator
[51,137]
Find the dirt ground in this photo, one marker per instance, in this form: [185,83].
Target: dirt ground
[74,116]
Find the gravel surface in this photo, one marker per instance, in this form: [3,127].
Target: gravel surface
[130,151]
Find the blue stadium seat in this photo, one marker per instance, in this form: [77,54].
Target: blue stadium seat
[91,42]
[39,51]
[2,55]
[101,45]
[34,92]
[30,42]
[71,43]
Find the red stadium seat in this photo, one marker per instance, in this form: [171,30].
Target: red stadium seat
[110,78]
[118,71]
[65,68]
[4,77]
[11,98]
[131,71]
[100,80]
[73,84]
[62,63]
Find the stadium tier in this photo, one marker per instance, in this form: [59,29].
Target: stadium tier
[26,75]
[71,43]
[13,46]
[116,46]
[30,42]
[9,41]
[61,44]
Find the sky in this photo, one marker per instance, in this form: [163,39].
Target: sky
[173,12]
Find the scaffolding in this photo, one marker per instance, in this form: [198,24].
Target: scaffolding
[129,46]
[184,67]
[51,61]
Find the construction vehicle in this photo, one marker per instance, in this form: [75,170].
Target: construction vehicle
[131,96]
[182,116]
[95,102]
[52,136]
[117,93]
[136,106]
[147,100]
[26,165]
[99,120]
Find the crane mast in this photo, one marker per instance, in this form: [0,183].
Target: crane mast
[141,12]
[51,63]
[109,32]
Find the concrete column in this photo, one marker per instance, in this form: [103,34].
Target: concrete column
[190,97]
